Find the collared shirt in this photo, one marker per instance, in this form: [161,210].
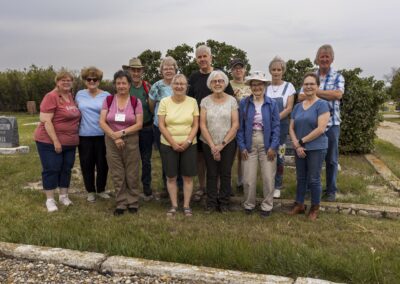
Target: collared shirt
[332,81]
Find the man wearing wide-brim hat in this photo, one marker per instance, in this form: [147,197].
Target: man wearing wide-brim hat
[140,89]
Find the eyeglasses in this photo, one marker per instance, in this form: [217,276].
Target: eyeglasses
[219,81]
[92,79]
[179,84]
[309,84]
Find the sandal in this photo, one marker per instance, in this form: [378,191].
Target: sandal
[188,212]
[198,195]
[172,211]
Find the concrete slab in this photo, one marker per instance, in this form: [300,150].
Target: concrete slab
[15,150]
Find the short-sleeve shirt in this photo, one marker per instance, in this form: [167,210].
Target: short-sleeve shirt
[65,120]
[257,121]
[178,118]
[306,121]
[90,108]
[219,117]
[130,115]
[140,93]
[241,90]
[277,92]
[158,91]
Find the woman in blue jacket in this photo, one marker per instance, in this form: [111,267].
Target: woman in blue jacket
[258,140]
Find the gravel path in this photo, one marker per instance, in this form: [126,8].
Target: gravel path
[25,271]
[389,131]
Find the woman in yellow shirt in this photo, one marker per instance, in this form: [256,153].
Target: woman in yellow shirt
[178,119]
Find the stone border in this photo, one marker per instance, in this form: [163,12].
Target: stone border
[15,150]
[119,264]
[365,210]
[384,171]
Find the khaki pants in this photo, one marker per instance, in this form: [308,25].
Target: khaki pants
[124,168]
[268,170]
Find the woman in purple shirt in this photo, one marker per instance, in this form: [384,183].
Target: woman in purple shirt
[307,131]
[121,118]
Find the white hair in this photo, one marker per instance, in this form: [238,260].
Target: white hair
[214,74]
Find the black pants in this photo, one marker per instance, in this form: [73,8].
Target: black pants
[92,155]
[146,140]
[222,169]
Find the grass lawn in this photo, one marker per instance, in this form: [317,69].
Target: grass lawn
[336,247]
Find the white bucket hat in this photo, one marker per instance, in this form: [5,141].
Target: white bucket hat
[256,75]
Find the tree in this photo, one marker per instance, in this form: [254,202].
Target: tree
[184,56]
[360,111]
[394,89]
[151,60]
[296,70]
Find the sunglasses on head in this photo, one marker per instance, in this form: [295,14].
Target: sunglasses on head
[92,79]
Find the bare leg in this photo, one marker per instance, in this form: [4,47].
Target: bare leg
[173,191]
[49,193]
[187,191]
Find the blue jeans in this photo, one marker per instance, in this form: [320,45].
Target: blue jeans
[280,161]
[56,166]
[308,172]
[332,159]
[146,139]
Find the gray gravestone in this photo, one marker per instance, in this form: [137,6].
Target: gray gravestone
[8,132]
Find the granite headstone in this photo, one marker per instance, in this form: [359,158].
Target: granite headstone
[8,132]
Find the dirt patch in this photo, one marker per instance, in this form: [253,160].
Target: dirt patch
[390,132]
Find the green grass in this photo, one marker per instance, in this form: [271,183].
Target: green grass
[397,120]
[336,247]
[390,154]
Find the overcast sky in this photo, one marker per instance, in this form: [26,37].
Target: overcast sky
[106,34]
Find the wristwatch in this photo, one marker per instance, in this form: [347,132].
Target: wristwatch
[189,142]
[223,143]
[123,133]
[301,143]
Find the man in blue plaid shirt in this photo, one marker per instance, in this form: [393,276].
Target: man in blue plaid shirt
[331,89]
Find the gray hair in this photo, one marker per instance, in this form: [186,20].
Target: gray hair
[179,76]
[214,74]
[326,47]
[168,60]
[279,60]
[203,48]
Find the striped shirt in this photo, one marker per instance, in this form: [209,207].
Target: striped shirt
[333,81]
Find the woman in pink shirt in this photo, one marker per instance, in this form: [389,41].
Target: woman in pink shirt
[121,118]
[56,139]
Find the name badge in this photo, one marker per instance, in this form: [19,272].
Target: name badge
[120,117]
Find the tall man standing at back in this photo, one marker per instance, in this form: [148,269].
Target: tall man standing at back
[198,89]
[140,90]
[331,89]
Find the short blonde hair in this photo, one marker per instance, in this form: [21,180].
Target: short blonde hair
[214,74]
[279,60]
[326,47]
[179,76]
[168,60]
[91,72]
[63,73]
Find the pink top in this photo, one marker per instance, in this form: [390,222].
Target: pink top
[257,121]
[124,114]
[65,120]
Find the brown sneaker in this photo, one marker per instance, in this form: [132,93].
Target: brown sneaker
[313,214]
[298,209]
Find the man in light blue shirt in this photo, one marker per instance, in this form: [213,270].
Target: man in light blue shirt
[331,90]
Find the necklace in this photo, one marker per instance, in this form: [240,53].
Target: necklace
[274,90]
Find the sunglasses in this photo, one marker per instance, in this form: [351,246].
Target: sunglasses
[92,79]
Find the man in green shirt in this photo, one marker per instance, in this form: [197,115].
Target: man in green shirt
[140,90]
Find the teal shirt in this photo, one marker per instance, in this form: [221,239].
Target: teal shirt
[140,94]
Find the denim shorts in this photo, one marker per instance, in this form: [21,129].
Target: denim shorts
[56,166]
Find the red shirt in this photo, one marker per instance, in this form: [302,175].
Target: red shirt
[65,120]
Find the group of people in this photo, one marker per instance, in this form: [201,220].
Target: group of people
[199,125]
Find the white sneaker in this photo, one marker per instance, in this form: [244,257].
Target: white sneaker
[277,193]
[51,205]
[91,197]
[65,200]
[103,195]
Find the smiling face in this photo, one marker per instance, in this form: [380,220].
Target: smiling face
[257,88]
[64,85]
[168,72]
[122,85]
[276,71]
[325,60]
[204,60]
[217,84]
[136,74]
[310,86]
[238,72]
[179,86]
[92,83]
